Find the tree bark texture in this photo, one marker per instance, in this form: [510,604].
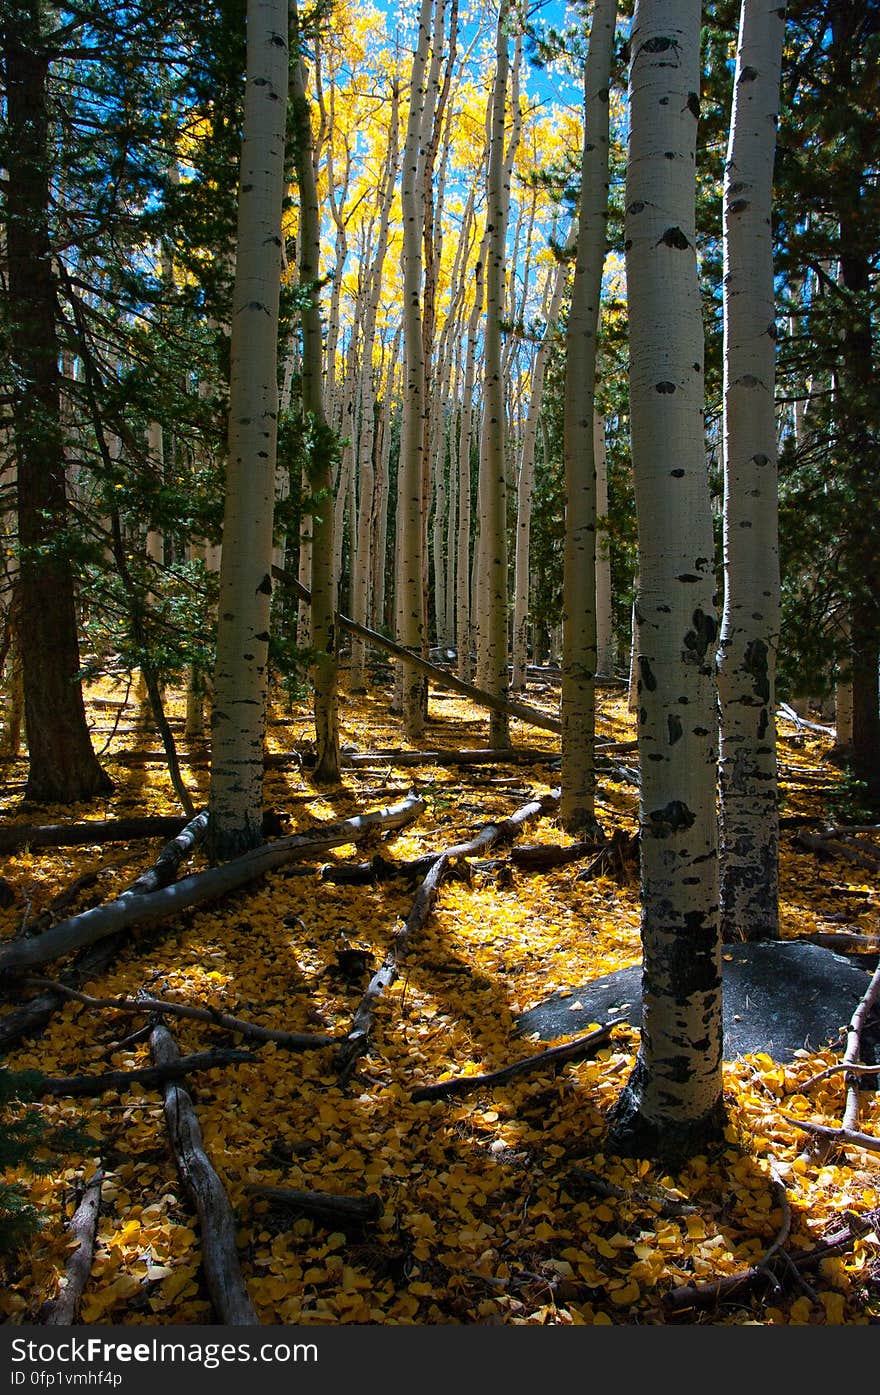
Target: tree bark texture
[62,766]
[579,585]
[750,622]
[241,668]
[672,1103]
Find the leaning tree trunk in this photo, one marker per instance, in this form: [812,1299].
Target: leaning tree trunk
[241,672]
[324,633]
[492,569]
[577,805]
[750,623]
[672,1104]
[62,766]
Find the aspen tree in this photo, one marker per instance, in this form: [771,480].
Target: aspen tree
[604,624]
[672,1103]
[324,663]
[750,622]
[463,620]
[577,803]
[526,478]
[492,570]
[412,443]
[241,672]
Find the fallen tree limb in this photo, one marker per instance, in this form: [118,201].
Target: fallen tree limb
[201,887]
[555,1055]
[831,1136]
[144,1076]
[223,1277]
[323,1206]
[72,835]
[746,1281]
[831,847]
[83,1228]
[438,864]
[144,1006]
[802,722]
[835,1070]
[841,940]
[92,959]
[482,755]
[519,710]
[355,1042]
[541,857]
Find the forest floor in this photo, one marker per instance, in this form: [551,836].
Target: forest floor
[497,1207]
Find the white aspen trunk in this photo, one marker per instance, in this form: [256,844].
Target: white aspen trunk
[577,801]
[241,669]
[632,702]
[367,508]
[492,571]
[749,637]
[526,485]
[463,628]
[409,597]
[323,580]
[672,1103]
[383,460]
[604,614]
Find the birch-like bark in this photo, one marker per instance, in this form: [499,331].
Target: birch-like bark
[672,1104]
[750,622]
[463,625]
[492,571]
[578,783]
[604,614]
[241,667]
[324,634]
[409,598]
[526,483]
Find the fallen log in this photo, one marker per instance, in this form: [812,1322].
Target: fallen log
[14,837]
[831,847]
[518,710]
[62,1310]
[542,857]
[758,1276]
[91,961]
[355,1042]
[323,1206]
[482,755]
[842,940]
[438,865]
[143,1076]
[555,1055]
[144,1006]
[200,888]
[223,1276]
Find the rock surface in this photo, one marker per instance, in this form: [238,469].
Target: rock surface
[779,997]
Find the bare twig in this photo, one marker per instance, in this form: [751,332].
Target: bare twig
[569,1051]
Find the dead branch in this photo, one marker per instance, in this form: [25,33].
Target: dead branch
[489,755]
[355,1043]
[441,677]
[835,1070]
[144,1006]
[223,1277]
[569,1051]
[746,1281]
[841,940]
[831,1136]
[164,870]
[83,1227]
[438,865]
[71,835]
[144,1076]
[324,1206]
[541,857]
[847,1133]
[200,888]
[827,847]
[665,1203]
